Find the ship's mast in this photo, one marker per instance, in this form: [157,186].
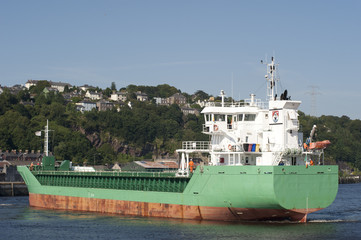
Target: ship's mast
[222,96]
[271,80]
[46,140]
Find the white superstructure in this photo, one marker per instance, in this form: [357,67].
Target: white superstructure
[252,132]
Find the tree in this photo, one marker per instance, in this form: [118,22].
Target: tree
[66,89]
[107,92]
[39,87]
[113,87]
[201,95]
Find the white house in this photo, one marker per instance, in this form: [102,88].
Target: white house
[85,106]
[86,87]
[119,96]
[141,96]
[59,85]
[31,82]
[93,95]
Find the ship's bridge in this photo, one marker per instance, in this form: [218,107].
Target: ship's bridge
[221,117]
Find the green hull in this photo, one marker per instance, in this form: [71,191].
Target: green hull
[240,190]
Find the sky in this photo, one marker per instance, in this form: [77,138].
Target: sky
[192,45]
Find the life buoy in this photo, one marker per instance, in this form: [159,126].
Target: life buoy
[229,146]
[215,127]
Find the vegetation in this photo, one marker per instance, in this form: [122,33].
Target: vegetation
[145,130]
[102,137]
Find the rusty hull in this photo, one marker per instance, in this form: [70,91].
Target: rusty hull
[147,209]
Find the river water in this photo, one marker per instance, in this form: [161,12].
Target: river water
[19,221]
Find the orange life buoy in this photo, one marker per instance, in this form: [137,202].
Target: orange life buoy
[230,147]
[215,127]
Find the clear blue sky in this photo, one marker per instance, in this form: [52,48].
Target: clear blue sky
[191,45]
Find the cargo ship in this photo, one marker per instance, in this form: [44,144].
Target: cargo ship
[258,168]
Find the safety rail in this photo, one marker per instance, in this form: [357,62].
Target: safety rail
[167,174]
[195,145]
[247,102]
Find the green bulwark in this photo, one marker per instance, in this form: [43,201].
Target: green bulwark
[141,181]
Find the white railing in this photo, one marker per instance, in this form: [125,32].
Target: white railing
[195,145]
[246,102]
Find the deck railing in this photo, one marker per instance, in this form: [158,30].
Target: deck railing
[195,145]
[247,102]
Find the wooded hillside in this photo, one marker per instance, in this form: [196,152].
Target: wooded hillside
[142,131]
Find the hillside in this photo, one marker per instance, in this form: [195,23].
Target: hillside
[140,130]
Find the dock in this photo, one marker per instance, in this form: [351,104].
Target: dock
[9,189]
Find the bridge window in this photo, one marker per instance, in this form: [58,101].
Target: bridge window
[219,117]
[240,117]
[229,121]
[249,117]
[208,117]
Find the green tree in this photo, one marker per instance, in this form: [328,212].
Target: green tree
[113,87]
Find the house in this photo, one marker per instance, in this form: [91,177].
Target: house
[188,110]
[50,89]
[141,96]
[150,166]
[119,96]
[69,96]
[86,87]
[1,89]
[103,105]
[161,101]
[31,82]
[177,98]
[32,156]
[16,89]
[59,85]
[10,155]
[93,95]
[84,106]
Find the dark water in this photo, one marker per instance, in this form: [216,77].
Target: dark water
[342,220]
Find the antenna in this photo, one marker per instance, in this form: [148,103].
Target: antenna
[232,87]
[271,79]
